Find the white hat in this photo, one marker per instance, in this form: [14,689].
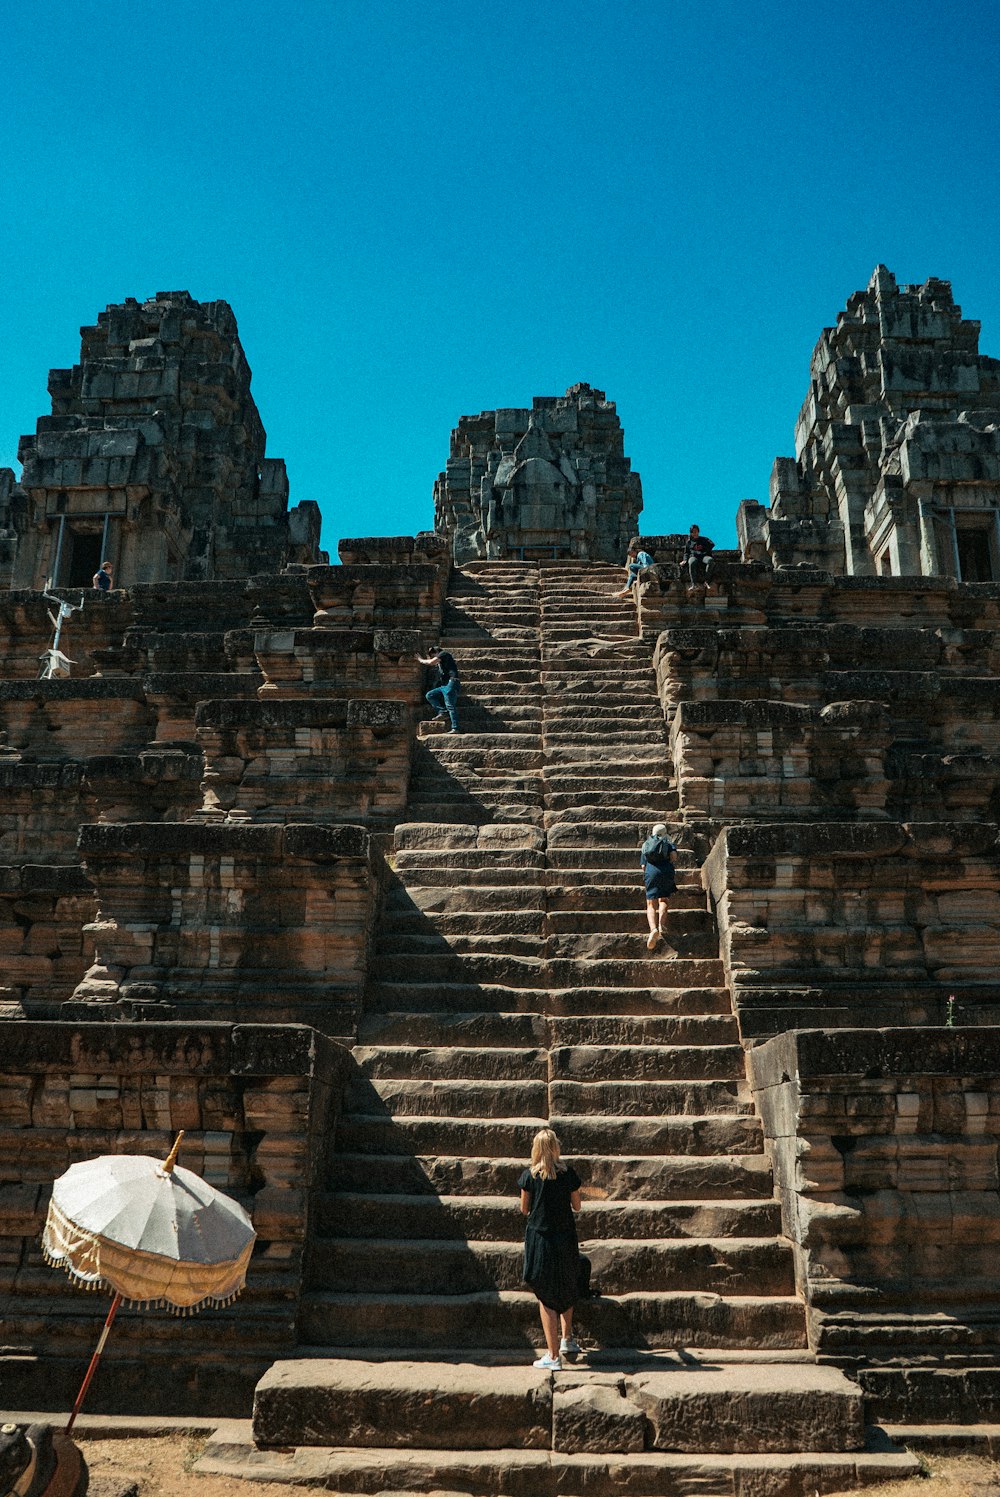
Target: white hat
[659,830]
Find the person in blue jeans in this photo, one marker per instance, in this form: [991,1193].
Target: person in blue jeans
[443,695]
[636,561]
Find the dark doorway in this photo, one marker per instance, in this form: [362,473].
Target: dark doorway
[974,555]
[84,557]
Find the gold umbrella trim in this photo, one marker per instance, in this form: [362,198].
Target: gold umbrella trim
[144,1279]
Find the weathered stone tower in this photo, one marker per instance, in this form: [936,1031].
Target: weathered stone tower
[897,446]
[152,458]
[538,484]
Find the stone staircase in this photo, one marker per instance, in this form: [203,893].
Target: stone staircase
[512,988]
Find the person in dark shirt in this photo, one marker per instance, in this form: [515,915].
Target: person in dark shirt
[550,1194]
[443,695]
[657,860]
[102,579]
[698,558]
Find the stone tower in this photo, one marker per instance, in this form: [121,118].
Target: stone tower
[152,458]
[546,482]
[897,446]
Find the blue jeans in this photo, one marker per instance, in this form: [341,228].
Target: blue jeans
[445,699]
[634,568]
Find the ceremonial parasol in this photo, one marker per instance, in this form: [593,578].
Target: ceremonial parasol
[151,1232]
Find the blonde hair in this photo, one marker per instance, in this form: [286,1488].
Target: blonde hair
[545,1150]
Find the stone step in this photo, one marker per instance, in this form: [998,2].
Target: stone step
[415,1266]
[565,972]
[609,1177]
[509,1318]
[589,907]
[646,806]
[489,1063]
[364,1471]
[643,1099]
[502,1137]
[399,1404]
[630,922]
[453,1098]
[405,996]
[497,1219]
[486,936]
[529,1030]
[593,898]
[456,1096]
[633,1065]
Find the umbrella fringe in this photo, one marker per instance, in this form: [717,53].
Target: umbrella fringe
[94,1285]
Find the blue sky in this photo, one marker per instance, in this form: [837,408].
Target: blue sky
[422,210]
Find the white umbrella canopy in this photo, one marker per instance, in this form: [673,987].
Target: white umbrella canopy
[151,1231]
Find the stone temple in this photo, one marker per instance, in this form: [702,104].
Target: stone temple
[248,891]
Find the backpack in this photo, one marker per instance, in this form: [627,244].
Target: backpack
[658,850]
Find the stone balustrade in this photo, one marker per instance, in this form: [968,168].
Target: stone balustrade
[837,924]
[885,1146]
[229,922]
[378,596]
[378,663]
[765,760]
[255,1102]
[45,946]
[281,760]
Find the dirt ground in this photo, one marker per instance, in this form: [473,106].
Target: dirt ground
[162,1468]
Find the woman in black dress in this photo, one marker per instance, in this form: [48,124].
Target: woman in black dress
[550,1193]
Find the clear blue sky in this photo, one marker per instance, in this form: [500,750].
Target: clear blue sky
[423,209]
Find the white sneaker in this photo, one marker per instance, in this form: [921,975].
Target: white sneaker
[652,940]
[548,1364]
[569,1348]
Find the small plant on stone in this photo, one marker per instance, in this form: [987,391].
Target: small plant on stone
[950,1012]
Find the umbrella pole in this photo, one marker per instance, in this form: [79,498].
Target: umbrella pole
[93,1362]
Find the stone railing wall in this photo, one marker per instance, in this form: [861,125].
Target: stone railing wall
[312,759]
[885,1146]
[763,760]
[256,1103]
[270,922]
[826,923]
[45,944]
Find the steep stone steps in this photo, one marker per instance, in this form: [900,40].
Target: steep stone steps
[511,987]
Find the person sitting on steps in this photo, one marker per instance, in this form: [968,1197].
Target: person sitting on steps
[698,559]
[550,1194]
[443,695]
[658,857]
[636,561]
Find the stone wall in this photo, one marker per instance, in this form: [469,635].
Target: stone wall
[885,1146]
[255,1102]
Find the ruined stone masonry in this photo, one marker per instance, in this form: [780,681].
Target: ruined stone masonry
[247,892]
[897,446]
[153,459]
